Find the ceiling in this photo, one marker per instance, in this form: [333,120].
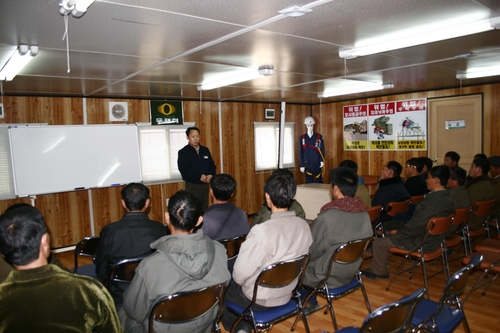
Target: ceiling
[158,49]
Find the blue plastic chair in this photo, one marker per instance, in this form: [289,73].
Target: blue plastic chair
[390,318]
[277,275]
[444,316]
[348,253]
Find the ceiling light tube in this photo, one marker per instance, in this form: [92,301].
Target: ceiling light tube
[355,90]
[429,37]
[17,61]
[473,74]
[262,71]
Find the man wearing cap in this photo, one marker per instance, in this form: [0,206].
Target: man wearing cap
[311,153]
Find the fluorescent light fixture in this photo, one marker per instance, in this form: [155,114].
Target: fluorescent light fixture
[262,71]
[428,37]
[295,11]
[76,7]
[475,73]
[354,87]
[17,61]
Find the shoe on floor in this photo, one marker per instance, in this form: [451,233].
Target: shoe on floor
[372,276]
[309,308]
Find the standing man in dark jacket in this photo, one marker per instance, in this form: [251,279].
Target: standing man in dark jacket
[436,203]
[128,238]
[390,187]
[196,166]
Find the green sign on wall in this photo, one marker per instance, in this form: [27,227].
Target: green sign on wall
[166,113]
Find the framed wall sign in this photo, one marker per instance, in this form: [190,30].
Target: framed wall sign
[269,114]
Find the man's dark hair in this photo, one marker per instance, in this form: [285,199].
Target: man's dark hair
[283,171]
[453,155]
[483,164]
[135,196]
[184,210]
[442,172]
[346,180]
[395,167]
[426,161]
[189,129]
[348,164]
[480,155]
[281,188]
[21,231]
[223,185]
[417,163]
[459,174]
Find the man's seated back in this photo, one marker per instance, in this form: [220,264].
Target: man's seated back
[183,261]
[414,183]
[265,212]
[390,188]
[284,236]
[341,220]
[223,219]
[128,238]
[41,297]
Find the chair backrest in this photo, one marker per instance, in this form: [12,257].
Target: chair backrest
[187,306]
[123,271]
[462,215]
[440,225]
[86,247]
[397,207]
[371,179]
[416,199]
[483,208]
[458,282]
[349,252]
[374,213]
[393,317]
[233,245]
[281,274]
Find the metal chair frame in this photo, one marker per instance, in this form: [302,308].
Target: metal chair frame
[86,247]
[123,271]
[233,245]
[481,208]
[429,315]
[392,209]
[435,226]
[490,262]
[277,275]
[187,306]
[347,253]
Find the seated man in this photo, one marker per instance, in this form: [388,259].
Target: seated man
[479,188]
[361,190]
[128,238]
[451,159]
[223,220]
[458,192]
[183,261]
[427,166]
[265,212]
[40,297]
[436,203]
[390,188]
[414,183]
[284,236]
[341,220]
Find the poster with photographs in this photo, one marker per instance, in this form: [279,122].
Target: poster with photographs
[355,127]
[396,125]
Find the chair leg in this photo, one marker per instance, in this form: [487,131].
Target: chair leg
[397,272]
[365,296]
[424,272]
[332,313]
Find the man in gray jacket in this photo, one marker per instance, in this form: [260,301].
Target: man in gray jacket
[341,220]
[183,261]
[436,203]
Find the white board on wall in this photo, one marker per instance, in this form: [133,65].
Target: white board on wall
[60,158]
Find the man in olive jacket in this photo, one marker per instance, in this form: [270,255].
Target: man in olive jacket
[436,203]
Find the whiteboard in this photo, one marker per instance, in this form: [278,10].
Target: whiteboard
[61,158]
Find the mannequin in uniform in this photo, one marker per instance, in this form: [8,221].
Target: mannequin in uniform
[311,153]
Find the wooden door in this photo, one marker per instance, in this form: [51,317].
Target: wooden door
[455,124]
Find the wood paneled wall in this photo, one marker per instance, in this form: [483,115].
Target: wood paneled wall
[68,214]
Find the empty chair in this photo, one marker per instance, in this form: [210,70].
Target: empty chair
[446,314]
[435,227]
[488,244]
[371,182]
[277,275]
[348,253]
[490,263]
[374,213]
[392,209]
[390,318]
[187,306]
[482,210]
[458,223]
[86,247]
[232,248]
